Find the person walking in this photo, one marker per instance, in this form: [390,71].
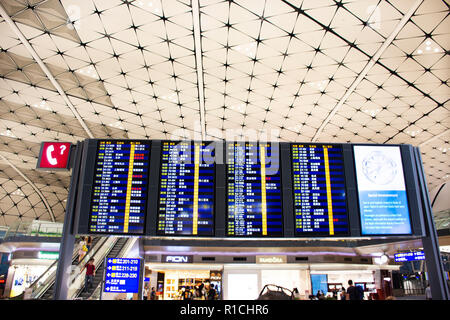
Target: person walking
[153,294]
[90,273]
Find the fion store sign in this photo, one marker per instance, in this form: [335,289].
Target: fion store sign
[177,259]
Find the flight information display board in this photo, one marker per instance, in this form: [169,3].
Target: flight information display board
[186,192]
[119,197]
[254,201]
[320,205]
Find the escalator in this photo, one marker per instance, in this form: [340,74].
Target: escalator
[48,294]
[115,252]
[43,287]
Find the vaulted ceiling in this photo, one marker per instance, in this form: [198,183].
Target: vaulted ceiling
[302,70]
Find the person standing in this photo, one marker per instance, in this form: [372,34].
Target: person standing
[90,273]
[153,294]
[354,293]
[343,294]
[82,250]
[210,292]
[428,293]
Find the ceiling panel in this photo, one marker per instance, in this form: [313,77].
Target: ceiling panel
[276,69]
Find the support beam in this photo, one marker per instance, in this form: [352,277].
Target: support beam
[368,66]
[435,137]
[199,65]
[44,68]
[66,247]
[433,260]
[44,200]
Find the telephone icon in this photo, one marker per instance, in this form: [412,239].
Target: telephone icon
[53,161]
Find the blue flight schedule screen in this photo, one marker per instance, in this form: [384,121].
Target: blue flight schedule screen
[122,275]
[119,198]
[320,204]
[254,201]
[186,193]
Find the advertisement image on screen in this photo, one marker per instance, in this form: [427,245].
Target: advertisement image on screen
[254,201]
[319,192]
[383,202]
[186,191]
[119,196]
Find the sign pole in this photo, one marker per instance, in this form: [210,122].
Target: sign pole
[435,270]
[68,237]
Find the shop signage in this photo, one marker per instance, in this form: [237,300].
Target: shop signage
[51,255]
[271,259]
[176,259]
[215,275]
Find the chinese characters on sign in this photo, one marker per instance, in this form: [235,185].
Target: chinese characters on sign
[122,275]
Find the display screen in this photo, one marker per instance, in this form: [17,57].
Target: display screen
[186,193]
[320,204]
[119,198]
[254,202]
[122,275]
[383,202]
[409,256]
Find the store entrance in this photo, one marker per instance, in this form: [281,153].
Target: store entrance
[190,283]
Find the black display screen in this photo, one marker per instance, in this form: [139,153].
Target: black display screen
[254,201]
[119,198]
[320,205]
[186,191]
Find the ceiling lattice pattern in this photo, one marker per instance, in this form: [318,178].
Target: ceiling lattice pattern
[295,70]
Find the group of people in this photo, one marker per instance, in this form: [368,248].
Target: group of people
[204,291]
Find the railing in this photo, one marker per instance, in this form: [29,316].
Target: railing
[33,228]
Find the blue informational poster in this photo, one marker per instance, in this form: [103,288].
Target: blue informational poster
[383,202]
[409,256]
[122,275]
[319,282]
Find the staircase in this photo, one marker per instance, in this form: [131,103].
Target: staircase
[98,278]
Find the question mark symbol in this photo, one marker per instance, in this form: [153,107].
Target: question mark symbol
[63,148]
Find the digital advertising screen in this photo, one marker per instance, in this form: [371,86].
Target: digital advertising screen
[119,198]
[320,204]
[383,202]
[187,189]
[254,198]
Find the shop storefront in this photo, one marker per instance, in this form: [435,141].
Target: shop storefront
[183,281]
[246,280]
[22,272]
